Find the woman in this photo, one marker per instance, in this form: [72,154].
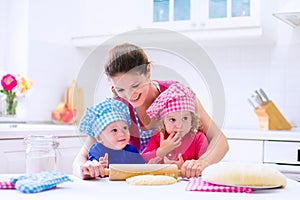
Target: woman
[128,71]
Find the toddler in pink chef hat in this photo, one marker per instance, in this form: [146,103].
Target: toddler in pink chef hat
[178,140]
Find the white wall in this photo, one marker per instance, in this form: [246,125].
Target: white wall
[53,61]
[14,34]
[3,39]
[271,63]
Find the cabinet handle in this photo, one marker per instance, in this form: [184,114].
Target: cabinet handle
[298,156]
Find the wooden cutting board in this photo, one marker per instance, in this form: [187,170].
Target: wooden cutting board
[75,99]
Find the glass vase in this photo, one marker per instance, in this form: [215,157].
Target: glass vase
[10,106]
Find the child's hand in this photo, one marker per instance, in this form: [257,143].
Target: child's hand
[103,161]
[179,162]
[156,160]
[166,145]
[90,169]
[93,169]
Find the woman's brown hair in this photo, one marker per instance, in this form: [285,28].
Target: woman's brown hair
[125,57]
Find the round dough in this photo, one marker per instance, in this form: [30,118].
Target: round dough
[151,180]
[243,174]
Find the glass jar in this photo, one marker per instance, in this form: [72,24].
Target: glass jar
[41,153]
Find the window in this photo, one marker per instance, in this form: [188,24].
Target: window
[171,10]
[205,14]
[225,9]
[231,14]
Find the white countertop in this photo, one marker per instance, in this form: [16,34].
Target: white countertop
[21,130]
[105,189]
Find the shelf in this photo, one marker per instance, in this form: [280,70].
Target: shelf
[249,35]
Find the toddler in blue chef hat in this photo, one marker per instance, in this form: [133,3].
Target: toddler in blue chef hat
[108,122]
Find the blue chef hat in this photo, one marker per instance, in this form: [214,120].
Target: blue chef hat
[96,118]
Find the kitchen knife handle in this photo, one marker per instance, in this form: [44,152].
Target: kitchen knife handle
[258,97]
[262,92]
[252,104]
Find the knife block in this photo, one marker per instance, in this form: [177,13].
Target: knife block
[270,118]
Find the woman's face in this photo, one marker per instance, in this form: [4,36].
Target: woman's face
[132,86]
[115,135]
[179,122]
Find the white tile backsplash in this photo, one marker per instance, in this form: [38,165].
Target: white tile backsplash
[275,68]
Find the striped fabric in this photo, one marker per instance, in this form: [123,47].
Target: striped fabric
[198,184]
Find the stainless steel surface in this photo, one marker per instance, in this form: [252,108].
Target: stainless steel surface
[264,95]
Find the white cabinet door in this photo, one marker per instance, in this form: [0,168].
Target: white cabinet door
[245,151]
[66,153]
[282,152]
[109,17]
[12,154]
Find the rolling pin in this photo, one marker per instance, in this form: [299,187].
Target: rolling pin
[118,172]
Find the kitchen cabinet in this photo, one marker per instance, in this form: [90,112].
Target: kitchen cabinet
[282,152]
[100,20]
[280,149]
[13,147]
[245,151]
[205,14]
[205,20]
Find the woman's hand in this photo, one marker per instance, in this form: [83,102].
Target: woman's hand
[93,169]
[192,168]
[166,145]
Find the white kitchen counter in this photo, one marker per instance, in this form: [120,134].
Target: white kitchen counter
[105,189]
[20,130]
[256,134]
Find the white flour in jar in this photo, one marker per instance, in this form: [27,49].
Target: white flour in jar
[38,164]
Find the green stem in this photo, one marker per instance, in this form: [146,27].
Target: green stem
[11,103]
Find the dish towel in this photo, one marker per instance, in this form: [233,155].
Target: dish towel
[32,183]
[198,184]
[4,184]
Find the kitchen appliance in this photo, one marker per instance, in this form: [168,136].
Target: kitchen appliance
[290,13]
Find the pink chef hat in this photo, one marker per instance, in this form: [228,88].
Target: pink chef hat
[176,98]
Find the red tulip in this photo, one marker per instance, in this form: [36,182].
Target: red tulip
[8,82]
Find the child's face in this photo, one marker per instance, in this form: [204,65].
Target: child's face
[132,86]
[115,135]
[179,122]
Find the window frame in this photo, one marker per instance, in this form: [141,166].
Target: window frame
[199,18]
